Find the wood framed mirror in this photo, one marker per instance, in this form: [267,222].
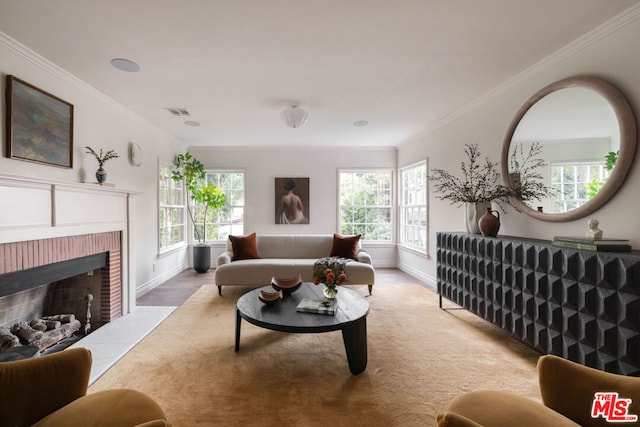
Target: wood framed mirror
[581,125]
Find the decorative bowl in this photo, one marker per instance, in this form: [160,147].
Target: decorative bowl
[287,285]
[270,297]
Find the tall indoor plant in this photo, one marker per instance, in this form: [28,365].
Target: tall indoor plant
[478,186]
[190,171]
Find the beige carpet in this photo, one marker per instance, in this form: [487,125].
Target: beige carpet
[420,358]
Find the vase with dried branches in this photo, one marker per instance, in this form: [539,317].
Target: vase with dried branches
[527,182]
[476,189]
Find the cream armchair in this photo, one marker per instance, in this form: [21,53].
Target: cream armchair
[51,391]
[568,390]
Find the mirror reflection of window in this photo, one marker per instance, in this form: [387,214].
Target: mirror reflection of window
[571,184]
[576,128]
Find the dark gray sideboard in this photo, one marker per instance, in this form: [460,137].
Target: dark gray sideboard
[580,305]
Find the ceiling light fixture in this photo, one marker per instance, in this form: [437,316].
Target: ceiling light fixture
[360,123]
[294,116]
[192,123]
[125,65]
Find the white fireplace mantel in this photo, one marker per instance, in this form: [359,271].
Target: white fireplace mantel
[35,208]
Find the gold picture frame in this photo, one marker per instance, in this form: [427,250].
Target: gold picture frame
[39,125]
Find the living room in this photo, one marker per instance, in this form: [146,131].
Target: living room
[608,49]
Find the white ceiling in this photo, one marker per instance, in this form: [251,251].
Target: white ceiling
[402,65]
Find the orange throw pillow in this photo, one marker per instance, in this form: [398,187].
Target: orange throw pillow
[244,247]
[345,246]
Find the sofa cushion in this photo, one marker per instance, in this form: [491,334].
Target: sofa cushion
[345,246]
[116,407]
[492,408]
[244,247]
[34,388]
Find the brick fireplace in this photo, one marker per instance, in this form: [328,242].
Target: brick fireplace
[48,223]
[20,256]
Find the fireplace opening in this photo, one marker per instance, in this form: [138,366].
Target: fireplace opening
[51,307]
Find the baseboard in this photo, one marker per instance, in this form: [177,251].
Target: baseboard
[384,264]
[158,280]
[428,280]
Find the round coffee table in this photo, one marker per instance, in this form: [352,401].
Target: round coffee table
[351,318]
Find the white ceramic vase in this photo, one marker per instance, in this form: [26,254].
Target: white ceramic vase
[473,213]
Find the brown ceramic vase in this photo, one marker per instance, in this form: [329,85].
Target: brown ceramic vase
[489,223]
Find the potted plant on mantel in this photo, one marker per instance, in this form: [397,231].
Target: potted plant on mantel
[476,189]
[191,173]
[102,158]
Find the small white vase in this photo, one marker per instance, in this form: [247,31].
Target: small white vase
[330,292]
[473,213]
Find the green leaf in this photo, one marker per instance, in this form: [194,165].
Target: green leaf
[191,172]
[210,196]
[610,160]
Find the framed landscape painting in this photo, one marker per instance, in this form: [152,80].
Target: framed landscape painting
[39,125]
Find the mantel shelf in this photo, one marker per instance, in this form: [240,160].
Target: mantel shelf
[27,181]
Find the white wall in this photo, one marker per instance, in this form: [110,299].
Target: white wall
[612,54]
[319,165]
[99,122]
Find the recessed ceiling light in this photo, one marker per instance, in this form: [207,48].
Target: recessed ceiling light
[125,65]
[360,123]
[191,123]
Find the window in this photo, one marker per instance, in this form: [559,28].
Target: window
[413,206]
[365,201]
[172,211]
[230,218]
[571,184]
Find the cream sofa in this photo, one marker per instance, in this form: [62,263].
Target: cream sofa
[286,256]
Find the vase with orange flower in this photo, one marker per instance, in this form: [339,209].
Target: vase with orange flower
[331,278]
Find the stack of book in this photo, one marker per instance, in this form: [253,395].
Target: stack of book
[604,245]
[308,305]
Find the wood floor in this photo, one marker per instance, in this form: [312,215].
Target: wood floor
[179,288]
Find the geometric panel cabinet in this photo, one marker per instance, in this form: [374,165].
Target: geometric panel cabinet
[580,305]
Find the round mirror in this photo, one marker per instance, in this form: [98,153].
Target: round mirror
[568,149]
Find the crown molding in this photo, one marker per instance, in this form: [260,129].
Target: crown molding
[600,32]
[58,72]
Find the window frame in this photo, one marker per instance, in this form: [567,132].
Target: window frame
[185,216]
[604,174]
[402,207]
[391,206]
[195,206]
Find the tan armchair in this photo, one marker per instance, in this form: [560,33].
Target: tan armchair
[567,389]
[51,391]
